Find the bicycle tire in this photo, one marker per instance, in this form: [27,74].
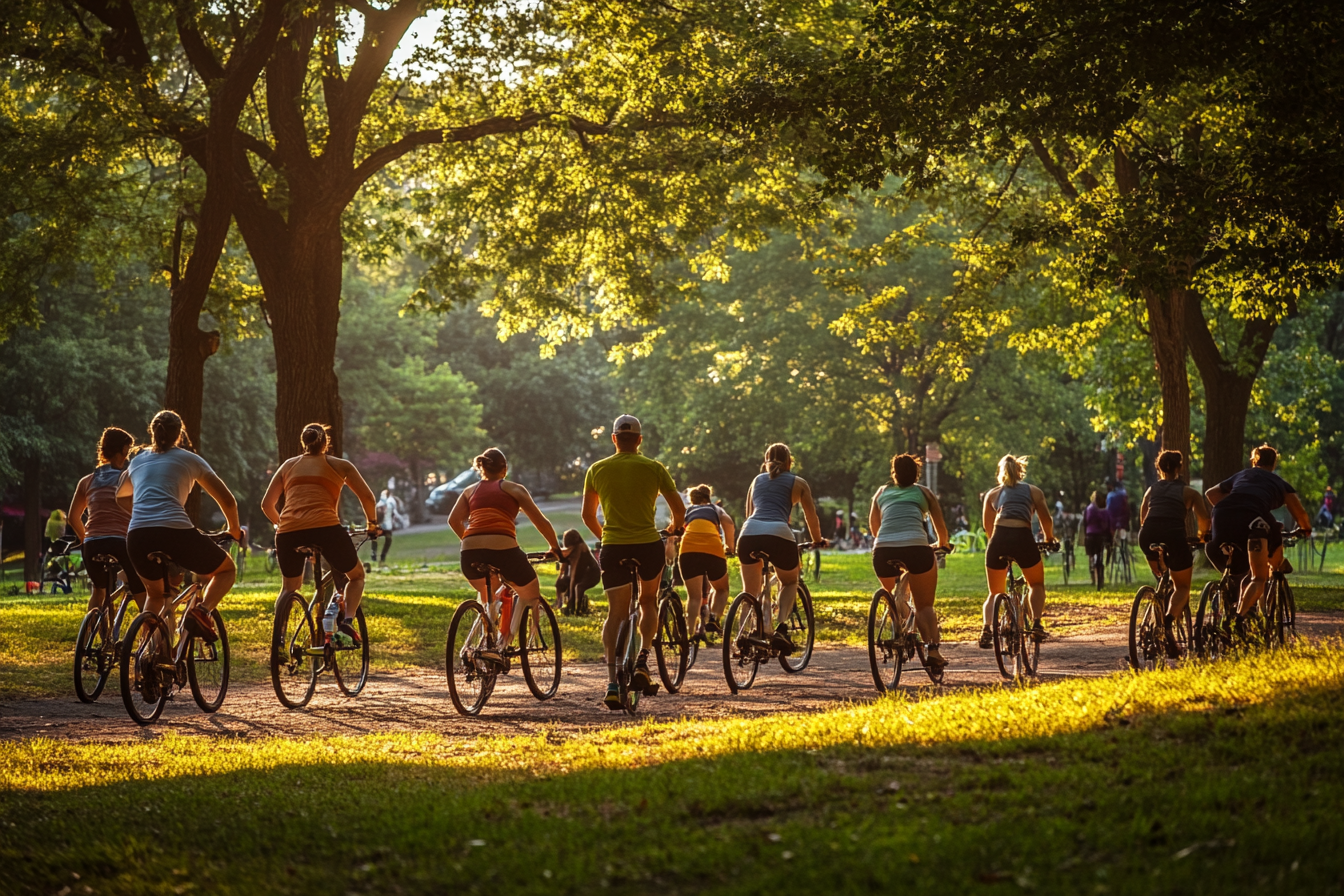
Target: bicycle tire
[293,670]
[469,684]
[1287,613]
[800,622]
[541,651]
[670,644]
[741,662]
[91,647]
[352,672]
[208,667]
[1029,653]
[143,688]
[886,653]
[1006,641]
[1147,647]
[936,673]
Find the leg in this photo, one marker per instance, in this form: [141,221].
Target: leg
[752,576]
[387,543]
[221,580]
[1035,577]
[648,611]
[1253,591]
[889,583]
[529,595]
[720,601]
[924,588]
[618,608]
[1179,600]
[788,592]
[695,596]
[997,580]
[354,589]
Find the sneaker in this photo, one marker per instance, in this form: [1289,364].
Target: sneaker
[713,627]
[347,628]
[642,678]
[1038,632]
[613,698]
[781,641]
[987,638]
[1169,639]
[491,657]
[935,658]
[201,625]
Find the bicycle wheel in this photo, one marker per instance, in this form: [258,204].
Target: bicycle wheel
[293,670]
[935,673]
[541,650]
[1147,641]
[670,644]
[1287,613]
[1029,649]
[92,658]
[743,635]
[208,667]
[1209,635]
[351,664]
[886,654]
[1006,640]
[470,683]
[802,630]
[144,685]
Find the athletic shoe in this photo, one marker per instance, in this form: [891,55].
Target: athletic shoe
[613,698]
[987,638]
[713,627]
[201,625]
[781,641]
[642,678]
[347,628]
[1038,632]
[936,659]
[492,657]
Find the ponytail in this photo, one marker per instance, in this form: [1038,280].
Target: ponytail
[167,431]
[491,462]
[778,458]
[1012,469]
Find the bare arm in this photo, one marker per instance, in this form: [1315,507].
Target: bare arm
[529,507]
[809,510]
[1195,501]
[677,506]
[750,508]
[457,518]
[1143,506]
[215,488]
[729,530]
[355,482]
[589,515]
[271,500]
[125,491]
[1294,505]
[1215,494]
[875,513]
[989,514]
[78,504]
[936,514]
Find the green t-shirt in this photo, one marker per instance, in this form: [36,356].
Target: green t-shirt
[628,485]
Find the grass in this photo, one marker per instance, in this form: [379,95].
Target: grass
[1210,778]
[409,607]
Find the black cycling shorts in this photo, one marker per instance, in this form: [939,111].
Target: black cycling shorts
[188,548]
[1095,544]
[650,558]
[512,564]
[1170,534]
[917,559]
[99,572]
[781,552]
[1015,543]
[1234,526]
[338,550]
[695,564]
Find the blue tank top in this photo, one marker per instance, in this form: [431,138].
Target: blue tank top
[707,512]
[771,506]
[903,512]
[1014,502]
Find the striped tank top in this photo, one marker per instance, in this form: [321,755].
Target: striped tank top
[312,493]
[903,512]
[704,531]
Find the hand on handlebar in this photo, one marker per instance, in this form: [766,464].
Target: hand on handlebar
[373,530]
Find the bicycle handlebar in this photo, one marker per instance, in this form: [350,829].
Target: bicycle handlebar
[1048,547]
[944,551]
[542,556]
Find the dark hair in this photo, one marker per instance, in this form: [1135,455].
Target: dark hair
[701,494]
[777,458]
[112,442]
[167,432]
[572,539]
[628,441]
[315,438]
[905,469]
[490,461]
[1264,456]
[1099,499]
[1170,461]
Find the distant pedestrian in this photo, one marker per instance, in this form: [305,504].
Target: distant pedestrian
[390,517]
[1097,531]
[1325,518]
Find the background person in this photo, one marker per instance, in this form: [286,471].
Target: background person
[105,532]
[1098,531]
[389,516]
[1008,513]
[703,557]
[1117,505]
[1162,516]
[578,572]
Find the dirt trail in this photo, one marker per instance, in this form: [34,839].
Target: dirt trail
[418,700]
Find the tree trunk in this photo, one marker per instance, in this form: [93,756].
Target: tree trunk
[1166,324]
[32,520]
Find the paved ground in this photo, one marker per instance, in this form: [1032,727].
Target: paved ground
[418,700]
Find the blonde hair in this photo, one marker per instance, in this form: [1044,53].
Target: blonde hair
[777,458]
[1012,469]
[700,494]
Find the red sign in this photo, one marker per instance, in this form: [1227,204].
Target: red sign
[931,453]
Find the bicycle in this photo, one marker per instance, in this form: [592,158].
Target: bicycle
[98,644]
[891,640]
[627,644]
[153,668]
[476,628]
[1118,558]
[1067,561]
[746,642]
[62,568]
[1147,618]
[298,641]
[1014,643]
[1280,608]
[671,645]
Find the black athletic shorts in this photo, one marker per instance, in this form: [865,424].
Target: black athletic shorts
[650,558]
[1171,534]
[695,564]
[1014,543]
[916,558]
[188,548]
[1234,526]
[1095,544]
[338,550]
[111,545]
[512,564]
[781,552]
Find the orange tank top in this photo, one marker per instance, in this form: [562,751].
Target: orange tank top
[493,510]
[312,490]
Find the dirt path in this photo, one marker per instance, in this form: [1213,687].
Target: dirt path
[418,700]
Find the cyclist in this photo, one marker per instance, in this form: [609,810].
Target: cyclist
[105,532]
[708,529]
[1243,514]
[1007,514]
[897,516]
[311,484]
[1162,521]
[626,486]
[154,488]
[767,533]
[483,518]
[1097,533]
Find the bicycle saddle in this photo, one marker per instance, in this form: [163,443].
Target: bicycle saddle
[108,559]
[309,549]
[160,557]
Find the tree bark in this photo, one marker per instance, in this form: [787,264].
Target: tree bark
[32,520]
[1166,324]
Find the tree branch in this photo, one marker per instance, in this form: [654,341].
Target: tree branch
[1053,168]
[199,54]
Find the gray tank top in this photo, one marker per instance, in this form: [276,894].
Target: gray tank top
[771,506]
[1166,501]
[1014,502]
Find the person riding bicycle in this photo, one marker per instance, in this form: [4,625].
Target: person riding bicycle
[1243,515]
[767,534]
[579,572]
[484,518]
[105,532]
[154,487]
[708,529]
[1007,514]
[1162,521]
[626,486]
[897,516]
[311,484]
[1098,532]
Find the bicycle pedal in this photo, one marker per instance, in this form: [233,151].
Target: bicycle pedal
[651,691]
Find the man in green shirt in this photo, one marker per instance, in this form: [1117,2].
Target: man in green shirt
[627,485]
